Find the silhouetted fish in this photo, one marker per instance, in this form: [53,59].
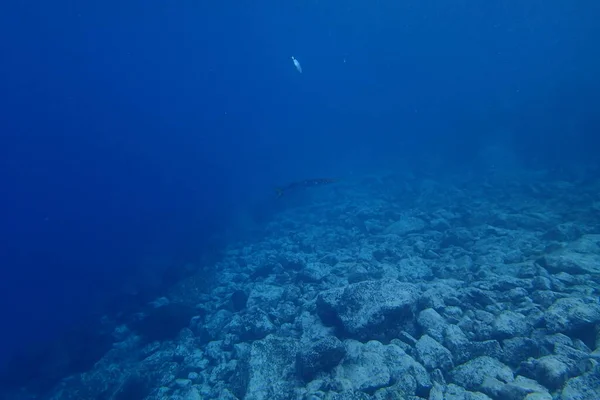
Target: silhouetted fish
[304,184]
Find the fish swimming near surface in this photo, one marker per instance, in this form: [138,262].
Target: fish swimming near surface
[304,184]
[297,64]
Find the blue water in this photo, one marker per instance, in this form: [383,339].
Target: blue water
[139,137]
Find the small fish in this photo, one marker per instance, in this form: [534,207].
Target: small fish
[297,64]
[304,184]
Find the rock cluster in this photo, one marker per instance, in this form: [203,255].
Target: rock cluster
[387,288]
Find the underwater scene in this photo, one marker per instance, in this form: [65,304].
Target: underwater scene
[302,199]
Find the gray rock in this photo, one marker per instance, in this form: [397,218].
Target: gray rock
[479,325]
[291,261]
[437,392]
[545,298]
[492,387]
[265,296]
[472,374]
[436,296]
[372,366]
[347,395]
[405,225]
[549,341]
[372,309]
[253,325]
[510,324]
[586,386]
[453,314]
[489,348]
[458,343]
[551,371]
[542,283]
[460,237]
[579,257]
[214,351]
[572,313]
[357,273]
[566,232]
[214,325]
[416,269]
[519,389]
[433,323]
[285,312]
[517,296]
[314,272]
[502,283]
[519,349]
[513,257]
[320,356]
[365,368]
[271,369]
[538,396]
[479,297]
[224,371]
[224,394]
[570,353]
[455,392]
[193,394]
[533,221]
[433,355]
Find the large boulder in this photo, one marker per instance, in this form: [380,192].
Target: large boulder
[371,309]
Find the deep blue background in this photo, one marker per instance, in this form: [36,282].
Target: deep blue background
[133,133]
